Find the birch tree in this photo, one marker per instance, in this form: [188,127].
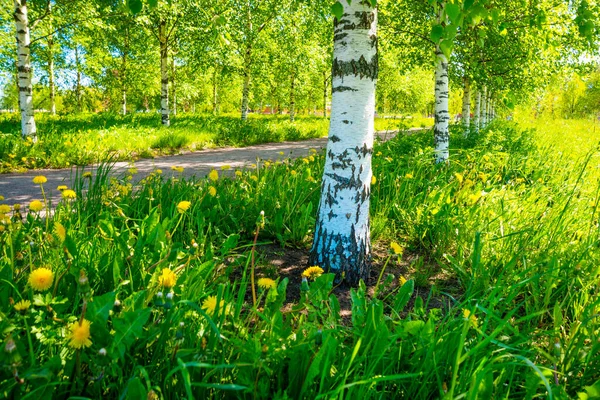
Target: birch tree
[28,128]
[341,239]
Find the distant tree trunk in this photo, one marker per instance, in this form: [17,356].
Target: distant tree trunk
[78,80]
[164,74]
[215,92]
[478,111]
[51,74]
[124,71]
[173,86]
[28,128]
[466,108]
[246,88]
[292,100]
[484,108]
[442,116]
[342,233]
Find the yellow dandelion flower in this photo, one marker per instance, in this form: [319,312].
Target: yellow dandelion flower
[254,178]
[238,173]
[4,209]
[87,174]
[60,231]
[69,194]
[177,168]
[1,197]
[267,164]
[213,175]
[311,158]
[16,207]
[468,315]
[36,206]
[132,170]
[281,153]
[458,177]
[402,280]
[79,335]
[183,206]
[167,278]
[41,279]
[313,151]
[225,167]
[40,180]
[396,248]
[313,272]
[379,154]
[62,187]
[408,176]
[22,306]
[210,305]
[293,172]
[266,283]
[253,166]
[373,180]
[158,171]
[212,191]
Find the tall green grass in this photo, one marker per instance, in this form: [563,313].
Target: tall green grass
[501,298]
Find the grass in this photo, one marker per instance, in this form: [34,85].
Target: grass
[92,138]
[500,298]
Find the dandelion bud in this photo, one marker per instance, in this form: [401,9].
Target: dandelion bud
[117,303]
[181,324]
[170,296]
[159,295]
[10,346]
[102,352]
[262,213]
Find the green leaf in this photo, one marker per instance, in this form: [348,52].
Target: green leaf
[338,10]
[437,31]
[136,390]
[99,309]
[453,12]
[446,47]
[468,4]
[135,6]
[153,3]
[495,14]
[128,328]
[414,327]
[404,295]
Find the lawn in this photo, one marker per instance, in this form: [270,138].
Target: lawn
[484,284]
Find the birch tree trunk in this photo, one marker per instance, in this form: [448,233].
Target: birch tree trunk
[442,116]
[28,128]
[124,71]
[51,75]
[477,111]
[292,99]
[466,108]
[173,86]
[164,74]
[78,79]
[342,233]
[246,88]
[484,108]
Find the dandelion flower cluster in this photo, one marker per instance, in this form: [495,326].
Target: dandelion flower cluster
[40,180]
[313,272]
[266,283]
[212,191]
[4,209]
[177,168]
[468,315]
[69,194]
[210,304]
[183,206]
[41,279]
[79,335]
[36,206]
[396,248]
[167,278]
[238,173]
[22,306]
[213,175]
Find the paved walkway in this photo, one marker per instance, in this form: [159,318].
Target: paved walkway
[19,188]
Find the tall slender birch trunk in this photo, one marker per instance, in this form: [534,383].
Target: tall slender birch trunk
[215,92]
[78,79]
[124,71]
[164,73]
[173,86]
[51,75]
[484,108]
[442,116]
[466,108]
[342,233]
[246,88]
[292,98]
[28,128]
[478,111]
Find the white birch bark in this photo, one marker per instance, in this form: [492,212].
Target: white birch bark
[246,88]
[124,103]
[51,75]
[173,86]
[484,108]
[164,74]
[28,128]
[342,234]
[292,99]
[466,108]
[477,115]
[442,116]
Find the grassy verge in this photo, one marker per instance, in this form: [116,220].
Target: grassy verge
[504,242]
